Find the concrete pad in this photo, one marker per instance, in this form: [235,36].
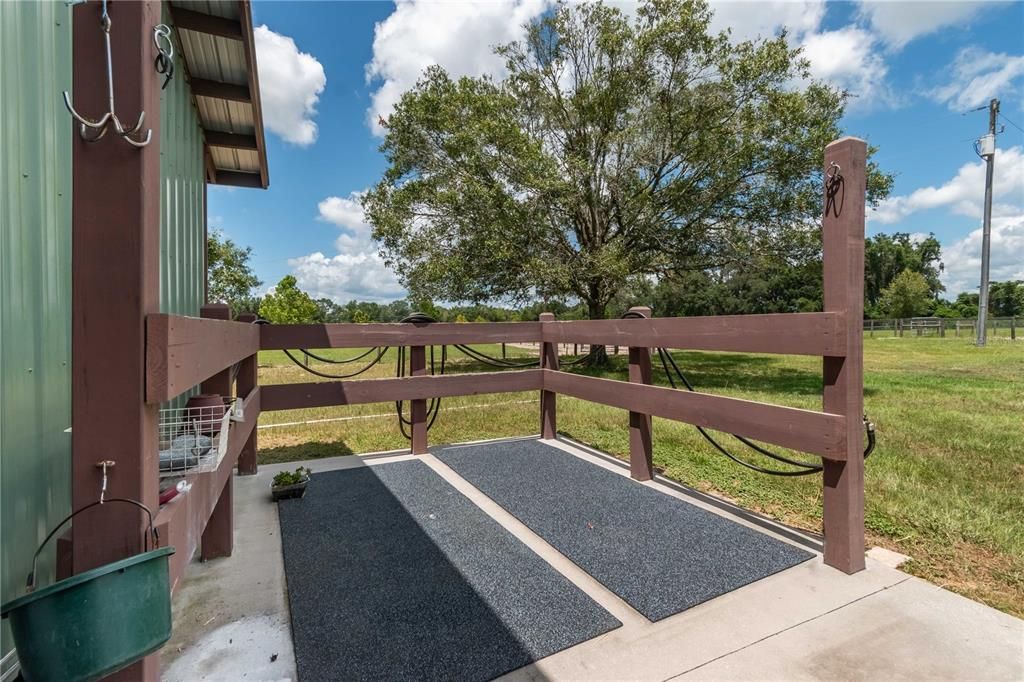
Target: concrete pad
[808,622]
[658,651]
[888,557]
[231,615]
[911,631]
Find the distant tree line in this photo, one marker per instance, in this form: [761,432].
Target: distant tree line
[901,279]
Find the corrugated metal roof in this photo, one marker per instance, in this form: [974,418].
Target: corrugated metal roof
[216,41]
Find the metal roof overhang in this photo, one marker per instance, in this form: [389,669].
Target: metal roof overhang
[216,40]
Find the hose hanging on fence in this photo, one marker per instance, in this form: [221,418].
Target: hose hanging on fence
[380,350]
[311,354]
[805,468]
[434,405]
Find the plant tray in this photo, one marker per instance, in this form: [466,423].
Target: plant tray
[288,492]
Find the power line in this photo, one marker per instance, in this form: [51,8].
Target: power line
[1003,116]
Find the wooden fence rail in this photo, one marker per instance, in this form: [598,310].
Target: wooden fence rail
[181,350]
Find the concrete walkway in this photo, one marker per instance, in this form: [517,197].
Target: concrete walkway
[809,622]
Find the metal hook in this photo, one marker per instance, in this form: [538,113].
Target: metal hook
[833,172]
[164,62]
[110,117]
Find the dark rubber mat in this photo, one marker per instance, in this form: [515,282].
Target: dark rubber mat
[393,574]
[660,554]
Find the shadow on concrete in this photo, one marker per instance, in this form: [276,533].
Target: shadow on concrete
[393,574]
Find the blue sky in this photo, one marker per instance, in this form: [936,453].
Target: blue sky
[328,68]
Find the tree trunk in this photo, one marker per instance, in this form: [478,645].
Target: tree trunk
[599,354]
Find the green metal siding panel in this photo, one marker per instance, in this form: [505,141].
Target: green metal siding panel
[35,285]
[182,202]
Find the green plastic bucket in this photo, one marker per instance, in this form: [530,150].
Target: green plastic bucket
[94,623]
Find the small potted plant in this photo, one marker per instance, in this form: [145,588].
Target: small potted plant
[290,484]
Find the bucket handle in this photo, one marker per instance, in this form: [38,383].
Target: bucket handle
[30,584]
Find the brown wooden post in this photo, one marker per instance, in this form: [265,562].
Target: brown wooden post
[418,410]
[641,466]
[115,272]
[843,250]
[218,535]
[248,379]
[1013,328]
[548,399]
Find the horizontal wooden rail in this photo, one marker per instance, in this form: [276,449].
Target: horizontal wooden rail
[818,334]
[181,521]
[817,433]
[184,351]
[347,335]
[326,393]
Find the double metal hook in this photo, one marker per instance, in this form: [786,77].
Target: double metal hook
[93,130]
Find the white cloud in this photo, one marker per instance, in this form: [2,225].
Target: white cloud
[346,276]
[344,212]
[458,36]
[750,20]
[849,59]
[963,258]
[290,85]
[900,21]
[356,271]
[977,77]
[964,194]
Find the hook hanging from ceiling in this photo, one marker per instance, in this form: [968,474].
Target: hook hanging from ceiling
[92,131]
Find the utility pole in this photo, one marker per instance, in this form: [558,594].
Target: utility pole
[987,152]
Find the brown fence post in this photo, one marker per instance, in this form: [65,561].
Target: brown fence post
[248,379]
[641,465]
[115,284]
[843,249]
[548,399]
[217,536]
[1013,328]
[418,410]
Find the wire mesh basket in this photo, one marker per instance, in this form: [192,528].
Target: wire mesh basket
[193,440]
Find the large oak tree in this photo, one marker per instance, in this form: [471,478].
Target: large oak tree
[616,148]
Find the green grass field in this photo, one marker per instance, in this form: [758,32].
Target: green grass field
[944,485]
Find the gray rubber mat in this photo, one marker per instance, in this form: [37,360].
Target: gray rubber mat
[393,574]
[660,554]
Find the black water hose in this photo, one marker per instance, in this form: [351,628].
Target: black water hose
[805,468]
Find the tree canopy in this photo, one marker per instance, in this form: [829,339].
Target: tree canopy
[614,151]
[909,295]
[230,278]
[888,255]
[288,304]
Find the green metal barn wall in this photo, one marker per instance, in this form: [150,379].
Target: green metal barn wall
[182,202]
[35,286]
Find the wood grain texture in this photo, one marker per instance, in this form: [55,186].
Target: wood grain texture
[786,333]
[358,392]
[184,351]
[321,394]
[115,283]
[817,433]
[349,335]
[418,406]
[548,399]
[641,446]
[218,535]
[843,258]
